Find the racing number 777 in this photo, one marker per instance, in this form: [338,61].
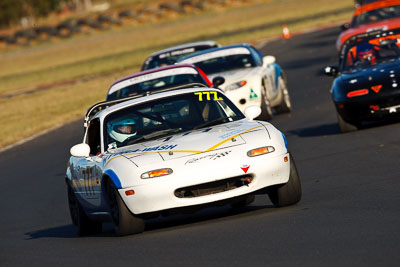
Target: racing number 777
[200,94]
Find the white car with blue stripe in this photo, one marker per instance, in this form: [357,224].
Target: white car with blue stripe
[172,151]
[249,77]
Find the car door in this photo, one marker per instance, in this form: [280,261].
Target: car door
[89,172]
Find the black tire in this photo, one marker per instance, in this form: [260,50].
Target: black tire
[64,31]
[127,14]
[125,223]
[67,29]
[286,105]
[289,193]
[45,33]
[10,40]
[173,6]
[24,37]
[105,21]
[3,41]
[266,110]
[344,126]
[245,202]
[85,25]
[200,5]
[84,226]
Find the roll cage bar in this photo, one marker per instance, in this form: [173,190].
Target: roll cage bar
[362,37]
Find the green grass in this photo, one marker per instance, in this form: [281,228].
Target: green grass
[118,52]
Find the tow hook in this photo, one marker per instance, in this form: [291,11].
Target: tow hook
[246,181]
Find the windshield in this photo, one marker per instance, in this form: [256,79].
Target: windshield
[226,63]
[366,54]
[167,116]
[376,15]
[170,58]
[153,82]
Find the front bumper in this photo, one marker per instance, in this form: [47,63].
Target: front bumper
[370,108]
[244,97]
[265,171]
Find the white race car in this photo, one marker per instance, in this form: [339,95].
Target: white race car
[170,55]
[250,78]
[173,151]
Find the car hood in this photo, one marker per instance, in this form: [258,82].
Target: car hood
[190,143]
[379,80]
[235,75]
[380,74]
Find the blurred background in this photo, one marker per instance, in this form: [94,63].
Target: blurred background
[58,57]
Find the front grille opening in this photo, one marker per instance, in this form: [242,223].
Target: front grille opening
[213,187]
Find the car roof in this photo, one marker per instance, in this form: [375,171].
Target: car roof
[375,5]
[183,46]
[214,49]
[151,71]
[157,95]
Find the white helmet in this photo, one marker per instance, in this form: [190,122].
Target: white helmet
[120,130]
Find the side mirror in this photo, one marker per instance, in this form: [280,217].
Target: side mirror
[331,71]
[345,26]
[268,60]
[80,150]
[252,112]
[217,81]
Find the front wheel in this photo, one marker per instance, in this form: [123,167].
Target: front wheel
[125,223]
[83,225]
[286,105]
[266,111]
[289,193]
[244,202]
[344,126]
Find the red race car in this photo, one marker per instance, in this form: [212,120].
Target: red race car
[378,15]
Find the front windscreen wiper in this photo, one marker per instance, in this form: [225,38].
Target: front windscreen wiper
[161,133]
[152,135]
[209,123]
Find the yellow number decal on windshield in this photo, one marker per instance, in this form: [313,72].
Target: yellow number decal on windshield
[200,94]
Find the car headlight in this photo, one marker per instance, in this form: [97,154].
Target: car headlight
[156,173]
[235,86]
[260,151]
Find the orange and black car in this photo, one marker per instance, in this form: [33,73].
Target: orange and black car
[367,81]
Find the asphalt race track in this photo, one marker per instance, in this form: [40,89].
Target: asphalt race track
[349,214]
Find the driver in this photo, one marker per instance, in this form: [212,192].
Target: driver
[120,130]
[366,53]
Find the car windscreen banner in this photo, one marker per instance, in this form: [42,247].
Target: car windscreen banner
[152,76]
[217,54]
[177,52]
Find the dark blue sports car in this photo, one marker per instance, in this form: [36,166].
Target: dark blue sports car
[366,86]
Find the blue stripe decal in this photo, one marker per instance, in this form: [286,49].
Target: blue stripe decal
[278,73]
[284,140]
[114,178]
